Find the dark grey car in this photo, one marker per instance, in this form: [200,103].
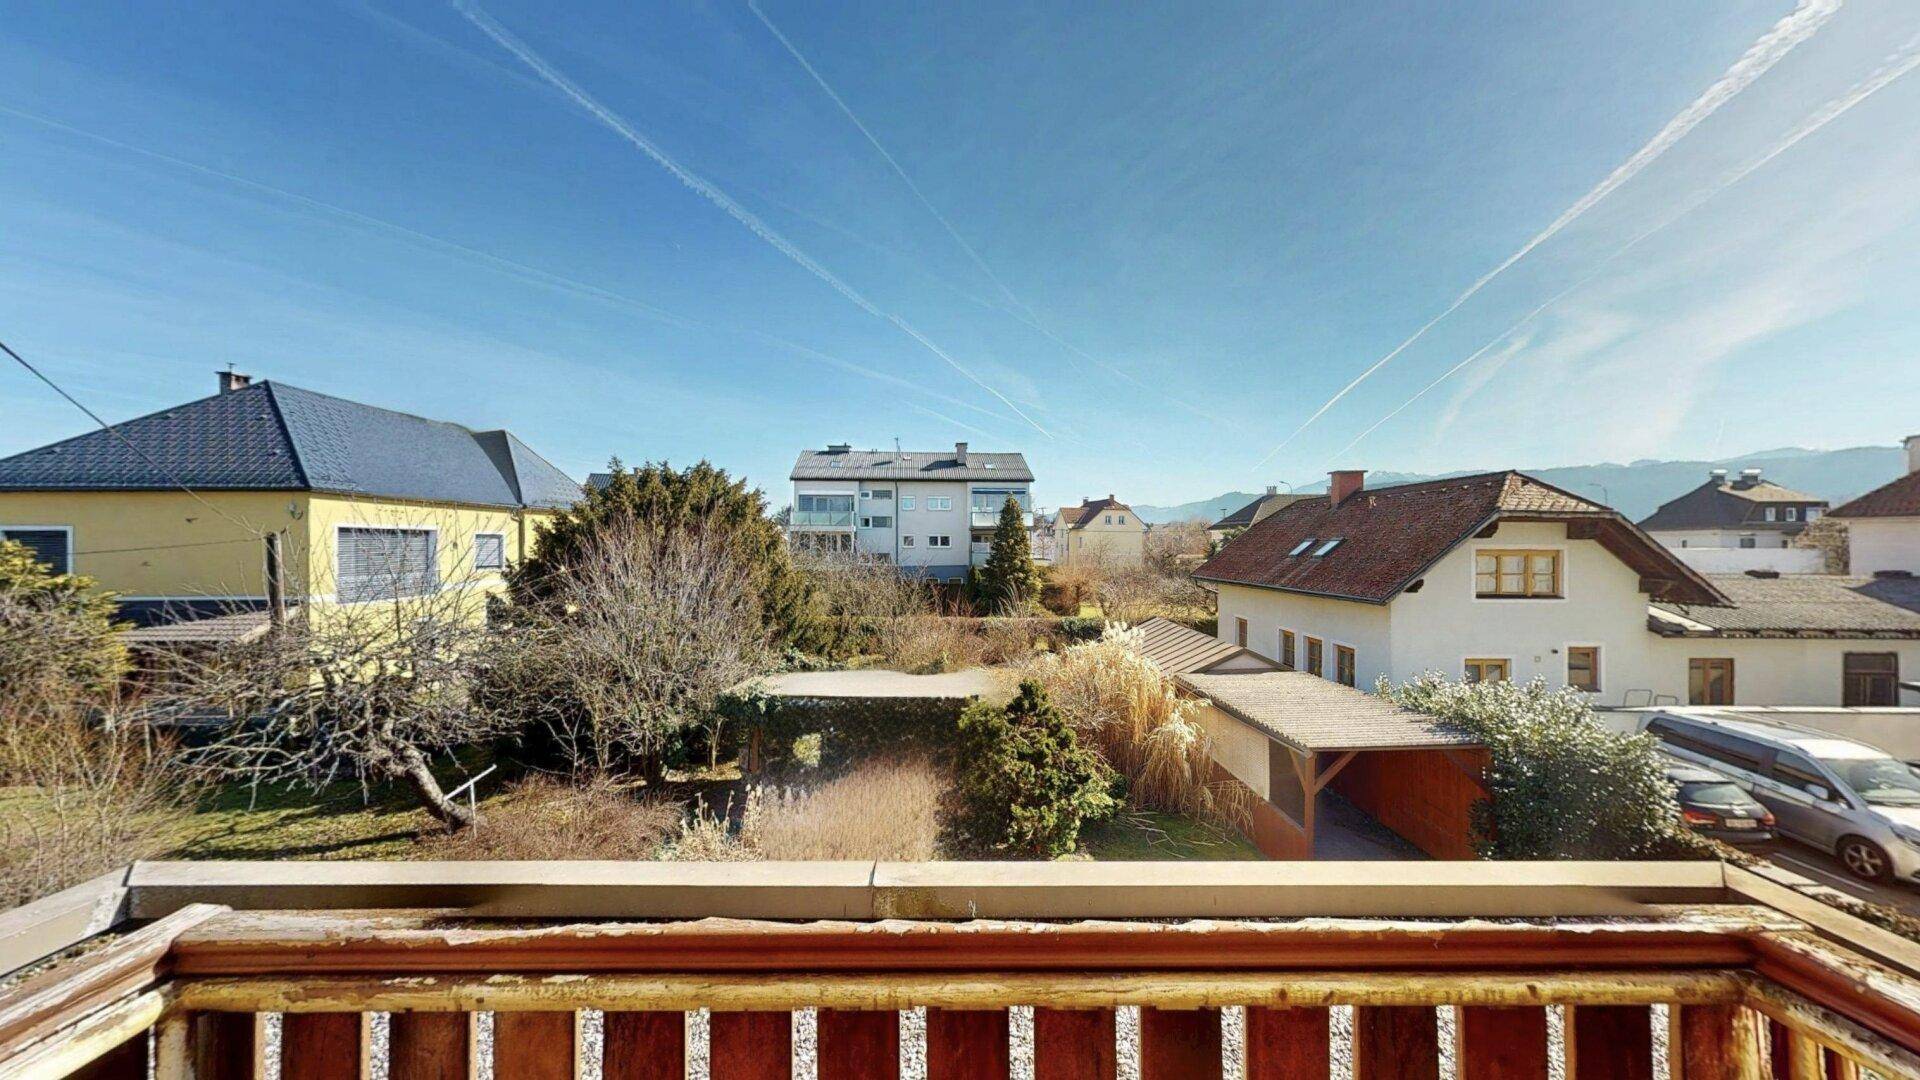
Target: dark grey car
[1711,804]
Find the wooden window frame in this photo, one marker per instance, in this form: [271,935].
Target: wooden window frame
[1289,650]
[1593,666]
[1240,631]
[1704,664]
[1472,663]
[1346,665]
[1316,657]
[1558,555]
[1847,677]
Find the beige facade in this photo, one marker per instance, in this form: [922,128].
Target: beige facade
[1099,533]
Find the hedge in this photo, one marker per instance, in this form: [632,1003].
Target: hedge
[849,729]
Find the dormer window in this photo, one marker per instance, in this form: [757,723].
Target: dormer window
[1323,549]
[1301,549]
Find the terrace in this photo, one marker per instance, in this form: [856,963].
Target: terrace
[1693,970]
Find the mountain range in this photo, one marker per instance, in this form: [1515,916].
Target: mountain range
[1637,488]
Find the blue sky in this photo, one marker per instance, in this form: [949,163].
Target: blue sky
[1144,246]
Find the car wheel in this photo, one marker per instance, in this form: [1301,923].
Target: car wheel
[1865,859]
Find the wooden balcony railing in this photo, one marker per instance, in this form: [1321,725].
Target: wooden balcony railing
[548,971]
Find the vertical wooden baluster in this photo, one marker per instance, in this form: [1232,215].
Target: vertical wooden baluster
[750,1046]
[1398,1042]
[858,1044]
[1714,1042]
[1839,1068]
[323,1046]
[222,1046]
[1288,1044]
[431,1046]
[1179,1044]
[128,1061]
[1799,1059]
[1609,1042]
[1074,1044]
[644,1046]
[535,1045]
[1501,1043]
[969,1044]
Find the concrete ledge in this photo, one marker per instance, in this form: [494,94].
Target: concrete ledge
[34,931]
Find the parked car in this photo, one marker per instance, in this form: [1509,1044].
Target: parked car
[1836,794]
[1712,804]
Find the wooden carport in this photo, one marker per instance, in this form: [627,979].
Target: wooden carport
[1409,771]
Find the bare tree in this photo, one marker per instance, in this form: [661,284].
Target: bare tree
[648,630]
[369,689]
[859,594]
[1177,546]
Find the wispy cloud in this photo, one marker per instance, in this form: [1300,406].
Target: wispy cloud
[1898,63]
[1772,47]
[712,193]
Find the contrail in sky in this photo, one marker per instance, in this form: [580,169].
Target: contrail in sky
[1899,63]
[511,267]
[713,194]
[1773,46]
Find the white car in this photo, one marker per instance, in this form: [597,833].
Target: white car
[1849,798]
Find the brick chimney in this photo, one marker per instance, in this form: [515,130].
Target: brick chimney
[1344,484]
[960,452]
[231,380]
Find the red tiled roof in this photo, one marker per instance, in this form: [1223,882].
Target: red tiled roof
[1898,499]
[1076,516]
[1390,536]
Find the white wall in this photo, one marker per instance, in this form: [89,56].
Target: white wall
[1362,627]
[921,523]
[1238,748]
[1776,671]
[1720,538]
[1875,544]
[1711,560]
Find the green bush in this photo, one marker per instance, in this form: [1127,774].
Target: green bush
[58,638]
[1026,784]
[1562,786]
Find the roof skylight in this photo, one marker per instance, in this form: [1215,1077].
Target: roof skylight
[1304,545]
[1328,546]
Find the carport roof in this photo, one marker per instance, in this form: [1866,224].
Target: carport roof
[1178,650]
[1314,715]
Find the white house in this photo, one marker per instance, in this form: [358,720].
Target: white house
[1738,524]
[1502,576]
[929,512]
[1883,526]
[1257,510]
[1103,532]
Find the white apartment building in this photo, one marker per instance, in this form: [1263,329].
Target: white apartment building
[931,513]
[1731,524]
[1502,576]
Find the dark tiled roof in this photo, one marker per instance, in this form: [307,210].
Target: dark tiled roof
[1244,516]
[1900,498]
[1799,605]
[908,465]
[274,437]
[1726,504]
[1390,536]
[1076,516]
[1312,714]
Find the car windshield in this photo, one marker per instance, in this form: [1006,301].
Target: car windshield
[1716,793]
[1880,781]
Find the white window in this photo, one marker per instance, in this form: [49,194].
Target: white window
[866,495]
[1108,519]
[51,544]
[906,502]
[939,541]
[1813,513]
[906,541]
[1771,513]
[883,494]
[1123,519]
[1327,548]
[1302,546]
[877,521]
[490,551]
[385,564]
[939,502]
[1792,513]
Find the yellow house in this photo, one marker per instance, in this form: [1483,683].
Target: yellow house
[185,513]
[1099,531]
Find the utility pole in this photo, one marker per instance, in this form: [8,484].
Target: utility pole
[276,583]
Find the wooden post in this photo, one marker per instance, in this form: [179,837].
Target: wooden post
[536,1045]
[750,1046]
[1179,1044]
[323,1046]
[1508,1043]
[1714,1042]
[858,1044]
[1609,1042]
[644,1046]
[1396,1042]
[1074,1044]
[968,1044]
[1288,1044]
[430,1046]
[276,582]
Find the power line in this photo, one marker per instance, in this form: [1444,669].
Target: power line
[254,530]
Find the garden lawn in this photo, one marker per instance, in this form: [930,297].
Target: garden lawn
[1139,835]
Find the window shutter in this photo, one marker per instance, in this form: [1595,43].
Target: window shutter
[48,545]
[489,551]
[382,564]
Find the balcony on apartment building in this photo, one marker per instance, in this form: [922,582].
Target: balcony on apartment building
[1089,970]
